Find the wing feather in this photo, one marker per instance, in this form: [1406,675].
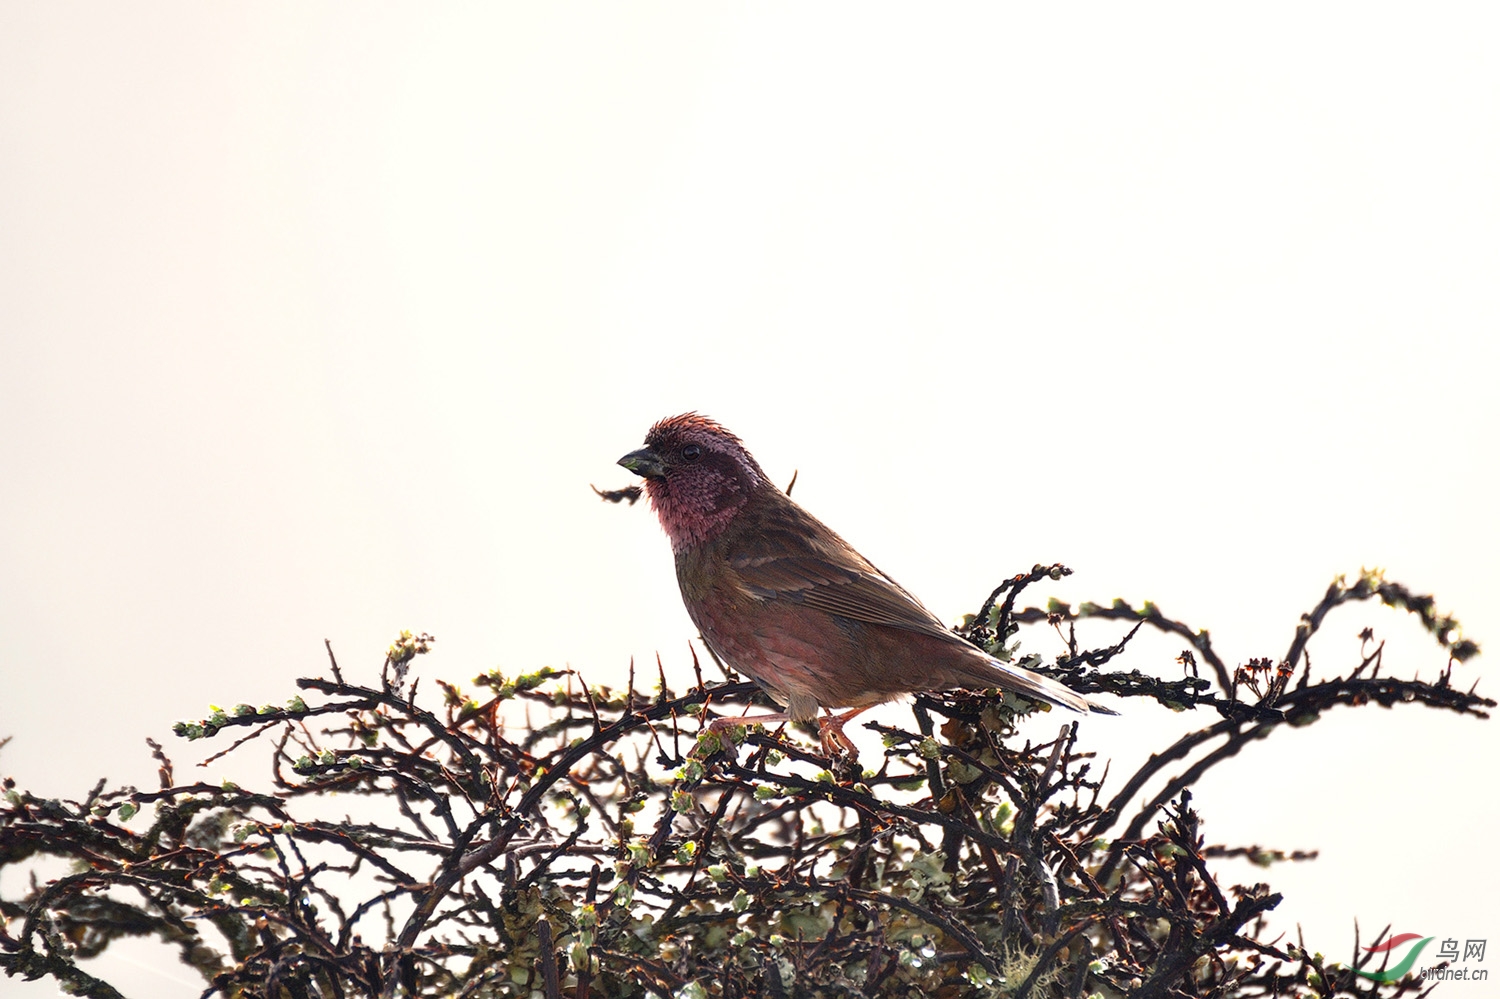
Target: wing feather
[839,581]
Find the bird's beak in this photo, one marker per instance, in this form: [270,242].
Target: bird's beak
[644,463]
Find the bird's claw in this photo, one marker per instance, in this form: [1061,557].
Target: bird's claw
[835,742]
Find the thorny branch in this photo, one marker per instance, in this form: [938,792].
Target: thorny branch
[616,847]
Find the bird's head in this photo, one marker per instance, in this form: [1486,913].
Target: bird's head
[697,474]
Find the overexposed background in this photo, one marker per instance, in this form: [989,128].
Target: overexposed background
[318,321]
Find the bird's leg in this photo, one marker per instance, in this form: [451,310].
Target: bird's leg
[800,706]
[746,720]
[831,728]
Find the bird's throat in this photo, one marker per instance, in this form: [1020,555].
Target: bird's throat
[695,512]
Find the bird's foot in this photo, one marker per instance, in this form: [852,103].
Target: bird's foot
[835,742]
[831,729]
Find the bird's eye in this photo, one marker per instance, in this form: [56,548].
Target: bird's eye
[692,453]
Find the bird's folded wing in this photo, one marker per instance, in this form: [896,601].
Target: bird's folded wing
[854,592]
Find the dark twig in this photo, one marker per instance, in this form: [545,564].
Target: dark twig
[614,843]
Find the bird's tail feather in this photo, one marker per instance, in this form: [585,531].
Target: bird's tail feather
[1033,685]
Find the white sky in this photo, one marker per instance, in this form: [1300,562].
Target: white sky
[317,321]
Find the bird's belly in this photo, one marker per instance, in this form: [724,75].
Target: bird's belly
[792,651]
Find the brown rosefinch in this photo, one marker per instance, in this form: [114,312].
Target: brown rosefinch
[782,598]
